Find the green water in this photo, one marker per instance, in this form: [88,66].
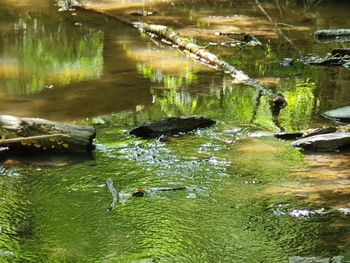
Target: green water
[242,191]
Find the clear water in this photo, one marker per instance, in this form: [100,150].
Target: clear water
[248,198]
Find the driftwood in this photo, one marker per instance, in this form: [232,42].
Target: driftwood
[39,135]
[114,193]
[206,57]
[172,37]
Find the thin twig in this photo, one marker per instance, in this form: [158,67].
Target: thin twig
[114,193]
[279,31]
[32,138]
[263,10]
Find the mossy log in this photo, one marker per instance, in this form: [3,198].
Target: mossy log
[39,135]
[201,54]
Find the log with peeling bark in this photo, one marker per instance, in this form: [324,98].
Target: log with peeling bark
[208,58]
[172,37]
[40,135]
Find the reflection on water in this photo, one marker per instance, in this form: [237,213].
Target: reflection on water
[39,57]
[247,198]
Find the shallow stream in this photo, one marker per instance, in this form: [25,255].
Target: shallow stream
[248,197]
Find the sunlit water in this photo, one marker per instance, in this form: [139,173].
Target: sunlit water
[247,197]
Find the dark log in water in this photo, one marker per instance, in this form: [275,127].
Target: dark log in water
[39,135]
[171,126]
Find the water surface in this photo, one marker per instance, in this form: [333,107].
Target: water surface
[248,198]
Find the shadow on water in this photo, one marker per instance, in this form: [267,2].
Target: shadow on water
[55,68]
[248,197]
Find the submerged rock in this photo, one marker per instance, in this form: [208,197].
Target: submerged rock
[171,126]
[326,142]
[341,114]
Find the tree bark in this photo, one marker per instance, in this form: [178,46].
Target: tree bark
[39,135]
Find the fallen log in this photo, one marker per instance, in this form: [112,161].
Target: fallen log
[171,126]
[40,135]
[170,36]
[201,54]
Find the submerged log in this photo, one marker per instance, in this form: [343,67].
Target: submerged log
[171,126]
[206,57]
[39,135]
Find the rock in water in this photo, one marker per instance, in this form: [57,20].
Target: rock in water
[333,34]
[326,142]
[320,131]
[341,114]
[171,126]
